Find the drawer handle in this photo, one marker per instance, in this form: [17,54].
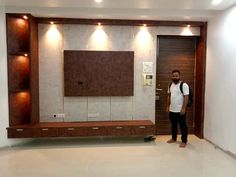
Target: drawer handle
[44,129]
[19,130]
[95,128]
[70,129]
[142,127]
[119,127]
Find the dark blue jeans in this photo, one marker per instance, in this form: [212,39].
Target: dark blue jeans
[175,119]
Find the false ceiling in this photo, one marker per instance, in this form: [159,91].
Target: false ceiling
[194,10]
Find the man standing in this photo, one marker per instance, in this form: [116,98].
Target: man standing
[176,107]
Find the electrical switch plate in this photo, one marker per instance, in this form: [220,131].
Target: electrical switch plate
[93,115]
[58,116]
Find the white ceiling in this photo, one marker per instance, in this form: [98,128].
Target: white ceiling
[196,10]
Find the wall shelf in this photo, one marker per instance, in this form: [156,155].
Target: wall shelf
[19,90]
[20,54]
[21,50]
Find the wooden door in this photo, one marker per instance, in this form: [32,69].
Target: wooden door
[173,53]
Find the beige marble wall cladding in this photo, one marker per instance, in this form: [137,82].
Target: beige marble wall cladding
[76,108]
[50,71]
[121,108]
[99,108]
[88,37]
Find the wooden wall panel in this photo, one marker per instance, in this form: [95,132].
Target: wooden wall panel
[34,70]
[19,109]
[98,73]
[18,72]
[120,22]
[200,82]
[122,74]
[17,35]
[174,53]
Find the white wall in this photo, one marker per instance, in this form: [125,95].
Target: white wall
[220,107]
[3,81]
[54,39]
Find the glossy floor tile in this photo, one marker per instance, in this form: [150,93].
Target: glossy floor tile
[115,157]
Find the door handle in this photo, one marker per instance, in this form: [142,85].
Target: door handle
[157,89]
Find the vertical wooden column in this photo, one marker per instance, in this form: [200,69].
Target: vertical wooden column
[34,70]
[200,82]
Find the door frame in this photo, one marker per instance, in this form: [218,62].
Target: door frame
[200,67]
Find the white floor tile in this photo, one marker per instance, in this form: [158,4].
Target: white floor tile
[115,157]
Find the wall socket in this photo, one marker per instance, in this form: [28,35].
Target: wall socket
[93,115]
[58,116]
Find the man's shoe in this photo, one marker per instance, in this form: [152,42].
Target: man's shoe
[171,141]
[183,145]
[149,138]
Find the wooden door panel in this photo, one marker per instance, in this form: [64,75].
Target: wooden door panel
[173,53]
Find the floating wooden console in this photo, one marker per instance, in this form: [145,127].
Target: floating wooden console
[76,129]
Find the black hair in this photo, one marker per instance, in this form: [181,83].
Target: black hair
[176,71]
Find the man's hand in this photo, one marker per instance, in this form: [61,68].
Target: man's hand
[167,109]
[183,111]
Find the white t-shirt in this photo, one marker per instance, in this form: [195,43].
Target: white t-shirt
[176,96]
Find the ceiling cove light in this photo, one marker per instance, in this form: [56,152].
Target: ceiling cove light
[216,2]
[98,1]
[25,17]
[186,32]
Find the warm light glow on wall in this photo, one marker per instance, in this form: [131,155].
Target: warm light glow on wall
[53,35]
[186,31]
[99,39]
[23,60]
[23,94]
[21,22]
[22,97]
[186,17]
[143,39]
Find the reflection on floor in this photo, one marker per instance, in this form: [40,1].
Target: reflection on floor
[115,157]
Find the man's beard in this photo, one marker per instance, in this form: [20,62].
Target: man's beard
[175,80]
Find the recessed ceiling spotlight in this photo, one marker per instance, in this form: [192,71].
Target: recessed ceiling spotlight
[26,55]
[25,17]
[216,2]
[99,24]
[51,23]
[188,26]
[144,25]
[98,1]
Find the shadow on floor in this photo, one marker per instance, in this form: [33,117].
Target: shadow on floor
[84,142]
